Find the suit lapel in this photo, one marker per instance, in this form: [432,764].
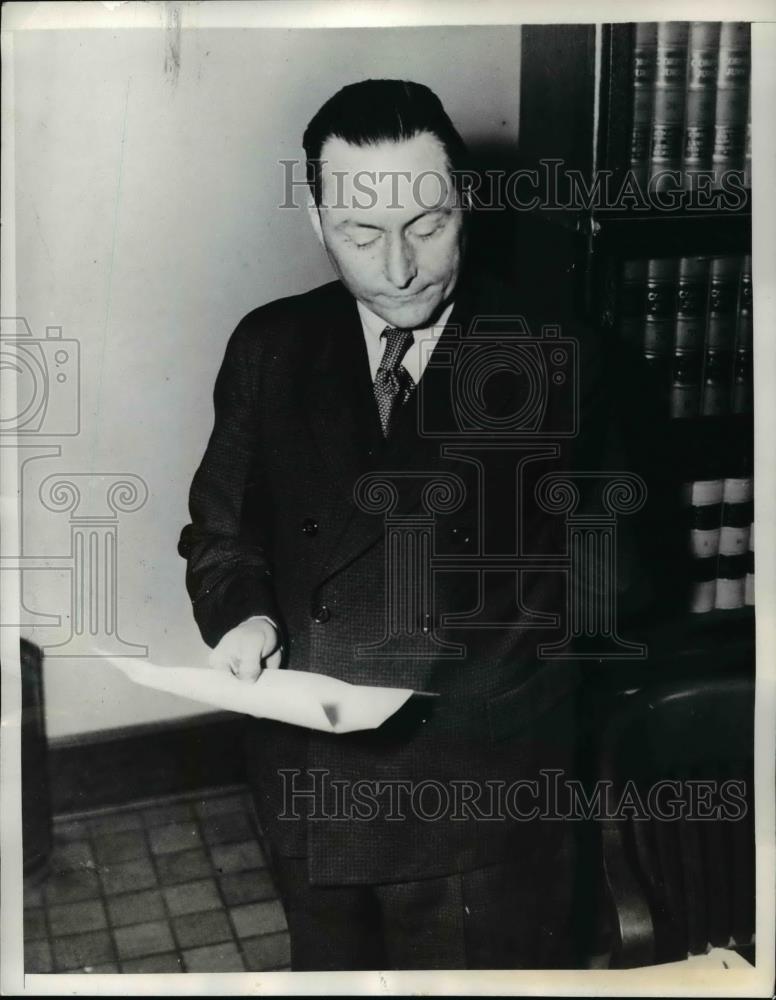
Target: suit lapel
[337,395]
[408,449]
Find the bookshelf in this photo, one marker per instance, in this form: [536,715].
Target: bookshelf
[580,115]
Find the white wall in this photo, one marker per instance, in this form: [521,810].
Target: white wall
[147,225]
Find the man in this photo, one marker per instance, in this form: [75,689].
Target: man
[327,404]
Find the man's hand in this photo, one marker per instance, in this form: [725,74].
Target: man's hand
[247,649]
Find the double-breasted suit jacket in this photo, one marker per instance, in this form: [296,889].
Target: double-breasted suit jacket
[290,510]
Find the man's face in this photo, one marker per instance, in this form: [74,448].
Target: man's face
[391,225]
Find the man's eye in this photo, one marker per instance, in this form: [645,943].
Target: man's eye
[427,232]
[363,242]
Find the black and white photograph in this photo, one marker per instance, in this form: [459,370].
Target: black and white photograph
[387,395]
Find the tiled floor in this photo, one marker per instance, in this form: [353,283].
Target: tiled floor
[164,886]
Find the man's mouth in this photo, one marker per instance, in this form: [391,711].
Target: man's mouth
[399,299]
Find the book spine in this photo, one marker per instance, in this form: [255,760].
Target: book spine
[689,332]
[691,303]
[749,580]
[685,385]
[701,97]
[732,97]
[631,304]
[703,499]
[643,89]
[716,385]
[724,278]
[659,320]
[744,324]
[742,400]
[720,335]
[660,313]
[748,143]
[669,110]
[737,514]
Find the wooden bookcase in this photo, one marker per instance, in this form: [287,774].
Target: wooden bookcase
[576,100]
[576,108]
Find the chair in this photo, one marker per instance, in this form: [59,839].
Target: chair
[35,788]
[678,886]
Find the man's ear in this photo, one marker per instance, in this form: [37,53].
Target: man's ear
[315,218]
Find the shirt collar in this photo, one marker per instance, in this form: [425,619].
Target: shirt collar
[417,356]
[373,325]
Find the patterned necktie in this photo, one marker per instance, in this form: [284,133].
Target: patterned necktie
[393,383]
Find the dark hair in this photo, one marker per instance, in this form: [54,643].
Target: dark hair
[373,111]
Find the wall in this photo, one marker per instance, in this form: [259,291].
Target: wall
[147,225]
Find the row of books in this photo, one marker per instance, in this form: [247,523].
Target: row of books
[721,538]
[691,102]
[691,320]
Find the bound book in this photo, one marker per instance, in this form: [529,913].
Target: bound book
[685,392]
[732,99]
[643,92]
[669,108]
[724,277]
[744,327]
[631,304]
[742,400]
[701,97]
[689,333]
[703,500]
[748,143]
[737,514]
[662,277]
[659,319]
[749,581]
[720,335]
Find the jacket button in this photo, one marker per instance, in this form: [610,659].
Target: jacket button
[310,527]
[321,614]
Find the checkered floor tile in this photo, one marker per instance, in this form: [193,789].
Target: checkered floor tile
[164,886]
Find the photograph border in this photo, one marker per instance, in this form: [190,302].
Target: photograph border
[687,980]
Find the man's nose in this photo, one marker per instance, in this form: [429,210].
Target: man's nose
[400,263]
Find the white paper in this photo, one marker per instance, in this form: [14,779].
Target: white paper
[315,701]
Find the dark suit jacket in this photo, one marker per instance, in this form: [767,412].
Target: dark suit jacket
[276,530]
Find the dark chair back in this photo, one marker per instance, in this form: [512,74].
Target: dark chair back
[679,858]
[36,797]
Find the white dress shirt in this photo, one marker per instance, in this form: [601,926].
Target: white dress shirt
[417,356]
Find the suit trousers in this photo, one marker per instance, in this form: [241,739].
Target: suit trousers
[510,915]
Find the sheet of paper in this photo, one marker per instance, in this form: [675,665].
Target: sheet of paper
[715,958]
[315,701]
